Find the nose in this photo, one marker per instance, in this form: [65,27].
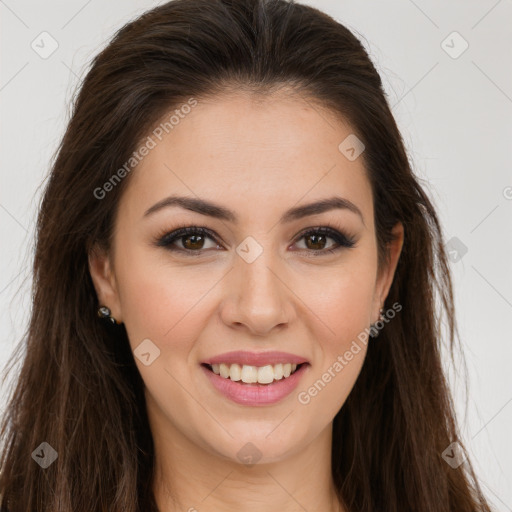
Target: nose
[257,298]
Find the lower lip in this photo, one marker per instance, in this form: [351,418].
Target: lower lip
[256,394]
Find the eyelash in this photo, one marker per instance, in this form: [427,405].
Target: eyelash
[344,241]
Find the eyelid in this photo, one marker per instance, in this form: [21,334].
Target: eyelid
[343,238]
[326,228]
[162,240]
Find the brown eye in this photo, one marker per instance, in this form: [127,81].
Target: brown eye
[316,240]
[192,239]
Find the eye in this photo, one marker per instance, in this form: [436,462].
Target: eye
[318,236]
[192,240]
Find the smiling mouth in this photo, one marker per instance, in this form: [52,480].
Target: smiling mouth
[247,374]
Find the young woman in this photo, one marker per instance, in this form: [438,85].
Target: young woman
[235,283]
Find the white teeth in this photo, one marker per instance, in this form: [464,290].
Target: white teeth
[252,374]
[249,374]
[278,371]
[265,374]
[235,372]
[224,370]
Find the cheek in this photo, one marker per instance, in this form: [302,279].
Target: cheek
[162,303]
[343,312]
[342,299]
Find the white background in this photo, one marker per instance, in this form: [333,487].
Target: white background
[456,118]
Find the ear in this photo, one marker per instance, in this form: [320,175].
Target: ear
[385,278]
[103,278]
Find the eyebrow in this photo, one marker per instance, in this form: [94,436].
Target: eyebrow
[208,208]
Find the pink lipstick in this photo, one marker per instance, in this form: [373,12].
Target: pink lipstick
[255,393]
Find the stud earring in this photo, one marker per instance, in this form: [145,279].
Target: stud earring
[374,330]
[104,312]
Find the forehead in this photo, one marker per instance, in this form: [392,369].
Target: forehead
[251,153]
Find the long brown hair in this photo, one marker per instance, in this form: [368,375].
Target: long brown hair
[79,389]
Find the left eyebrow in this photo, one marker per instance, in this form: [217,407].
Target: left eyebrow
[321,206]
[208,208]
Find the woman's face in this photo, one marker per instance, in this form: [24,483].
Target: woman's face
[255,281]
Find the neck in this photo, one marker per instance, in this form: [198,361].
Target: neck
[190,478]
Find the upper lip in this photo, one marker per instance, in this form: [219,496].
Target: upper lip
[255,358]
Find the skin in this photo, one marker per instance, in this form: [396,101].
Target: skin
[258,158]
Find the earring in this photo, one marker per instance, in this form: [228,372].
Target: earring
[104,312]
[374,330]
